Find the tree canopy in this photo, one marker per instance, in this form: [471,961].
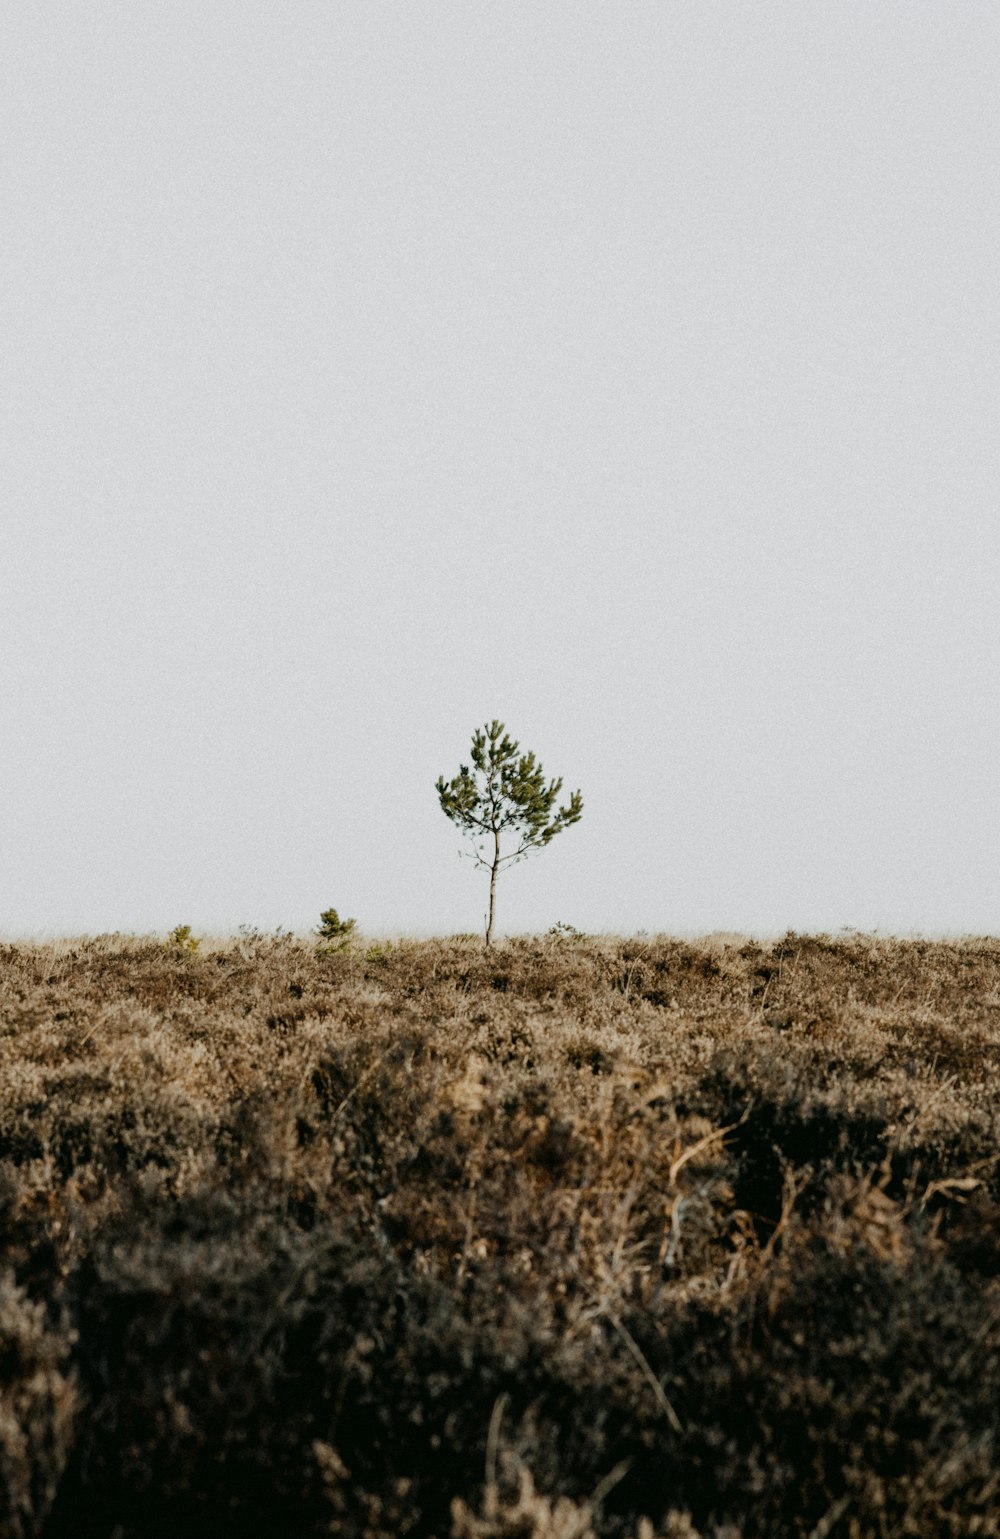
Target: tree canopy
[504,793]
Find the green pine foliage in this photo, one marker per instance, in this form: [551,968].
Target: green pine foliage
[182,939]
[332,927]
[335,933]
[504,795]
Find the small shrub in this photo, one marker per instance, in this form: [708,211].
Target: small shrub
[335,933]
[181,939]
[563,931]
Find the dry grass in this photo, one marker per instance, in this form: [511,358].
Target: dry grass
[576,1238]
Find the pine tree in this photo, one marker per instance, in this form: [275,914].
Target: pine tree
[504,793]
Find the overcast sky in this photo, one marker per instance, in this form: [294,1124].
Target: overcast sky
[626,372]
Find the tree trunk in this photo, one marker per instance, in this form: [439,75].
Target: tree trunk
[493,884]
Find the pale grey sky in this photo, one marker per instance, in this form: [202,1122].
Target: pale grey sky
[627,372]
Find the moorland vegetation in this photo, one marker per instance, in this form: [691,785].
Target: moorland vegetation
[621,1237]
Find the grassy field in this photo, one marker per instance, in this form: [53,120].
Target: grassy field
[623,1237]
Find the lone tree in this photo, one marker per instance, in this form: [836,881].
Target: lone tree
[504,793]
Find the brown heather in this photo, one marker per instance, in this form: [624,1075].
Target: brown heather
[573,1238]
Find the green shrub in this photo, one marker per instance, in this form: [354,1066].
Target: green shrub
[335,933]
[181,938]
